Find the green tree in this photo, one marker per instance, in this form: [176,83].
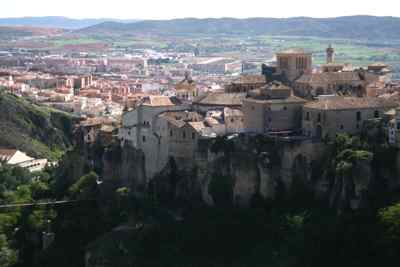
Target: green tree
[86,187]
[390,218]
[8,256]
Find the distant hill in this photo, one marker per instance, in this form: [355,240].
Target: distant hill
[38,131]
[13,32]
[366,27]
[56,22]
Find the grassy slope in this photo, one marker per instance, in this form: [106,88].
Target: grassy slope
[38,131]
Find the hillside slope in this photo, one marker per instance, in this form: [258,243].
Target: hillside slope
[55,22]
[15,32]
[38,131]
[367,27]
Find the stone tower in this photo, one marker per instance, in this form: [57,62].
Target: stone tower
[293,63]
[330,54]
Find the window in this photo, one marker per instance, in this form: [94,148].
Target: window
[284,108]
[307,116]
[144,139]
[358,116]
[252,107]
[193,136]
[319,117]
[184,135]
[232,120]
[171,133]
[341,127]
[376,114]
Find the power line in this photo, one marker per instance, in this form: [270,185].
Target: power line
[54,203]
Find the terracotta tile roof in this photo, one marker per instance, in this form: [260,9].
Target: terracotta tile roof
[186,84]
[290,99]
[157,101]
[294,51]
[331,77]
[96,122]
[221,99]
[198,126]
[343,103]
[245,79]
[179,118]
[7,154]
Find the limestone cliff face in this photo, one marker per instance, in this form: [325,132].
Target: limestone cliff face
[282,171]
[268,174]
[276,170]
[127,165]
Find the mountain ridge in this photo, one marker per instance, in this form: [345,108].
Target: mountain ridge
[57,22]
[361,26]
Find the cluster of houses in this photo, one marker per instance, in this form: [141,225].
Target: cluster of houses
[290,100]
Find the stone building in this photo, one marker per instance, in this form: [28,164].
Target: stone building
[234,120]
[18,158]
[349,83]
[293,63]
[246,83]
[330,55]
[186,89]
[272,109]
[392,121]
[332,115]
[215,101]
[332,67]
[335,79]
[177,133]
[382,70]
[140,125]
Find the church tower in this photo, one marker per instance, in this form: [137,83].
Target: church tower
[330,54]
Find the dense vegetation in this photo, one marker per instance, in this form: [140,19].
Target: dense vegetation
[298,231]
[37,131]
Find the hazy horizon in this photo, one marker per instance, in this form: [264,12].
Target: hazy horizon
[222,17]
[157,9]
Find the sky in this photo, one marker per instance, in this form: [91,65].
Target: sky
[167,9]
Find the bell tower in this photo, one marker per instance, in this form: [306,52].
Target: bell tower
[330,54]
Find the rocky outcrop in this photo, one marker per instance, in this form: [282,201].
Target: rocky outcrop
[126,165]
[253,170]
[282,170]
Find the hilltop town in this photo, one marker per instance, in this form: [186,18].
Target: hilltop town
[114,149]
[167,111]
